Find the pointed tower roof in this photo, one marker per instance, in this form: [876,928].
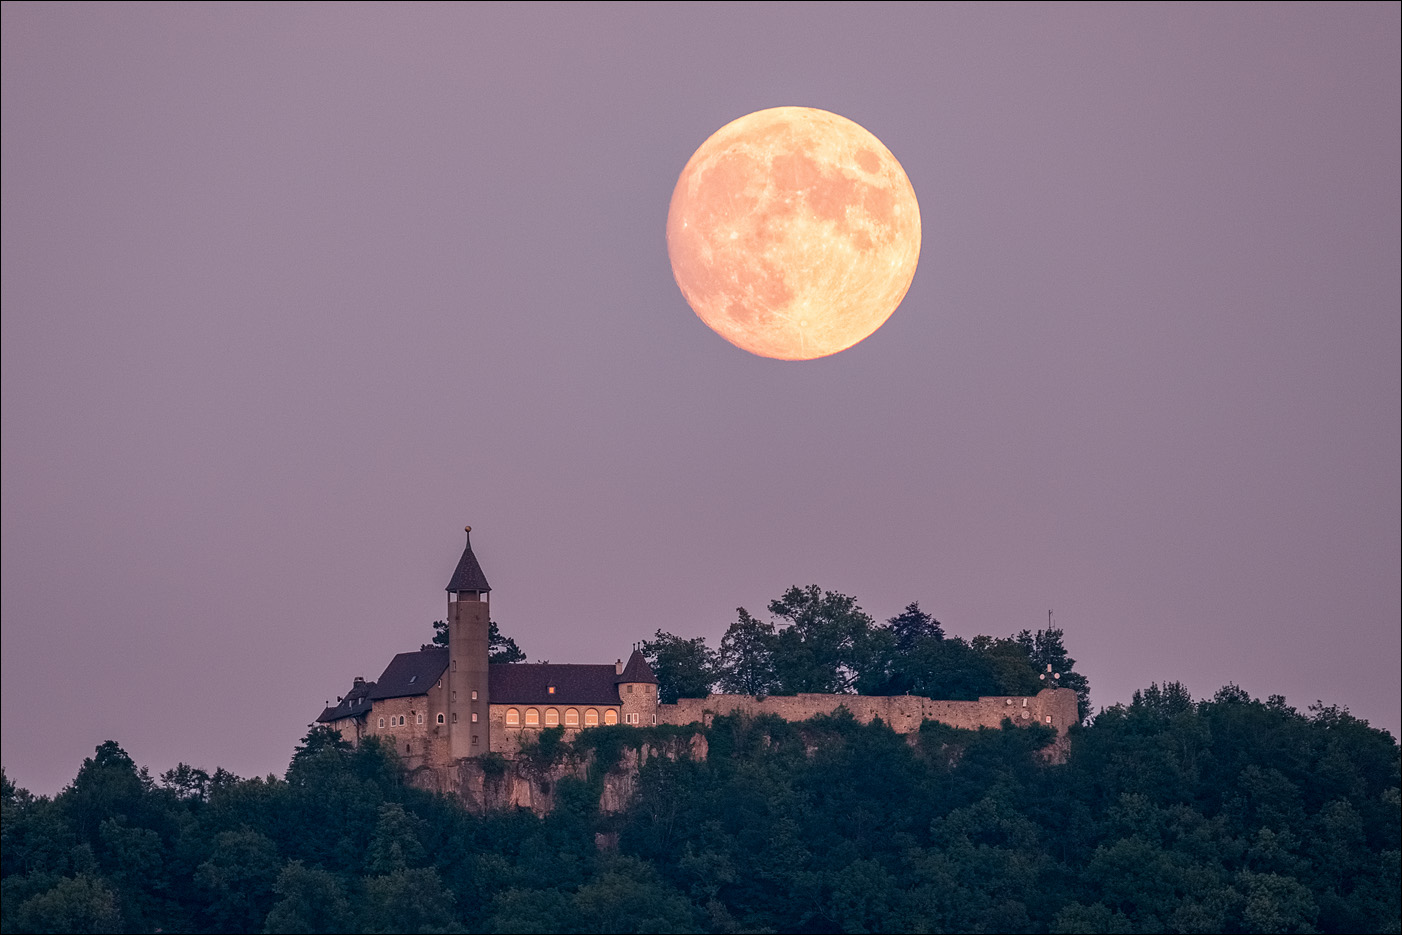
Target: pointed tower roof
[468,575]
[637,670]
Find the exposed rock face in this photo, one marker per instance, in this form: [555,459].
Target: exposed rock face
[496,782]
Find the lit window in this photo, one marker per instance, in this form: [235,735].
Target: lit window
[591,718]
[440,718]
[474,696]
[532,717]
[513,717]
[552,717]
[474,717]
[382,722]
[571,718]
[550,690]
[1048,718]
[610,716]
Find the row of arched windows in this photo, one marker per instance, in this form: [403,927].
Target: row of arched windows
[532,717]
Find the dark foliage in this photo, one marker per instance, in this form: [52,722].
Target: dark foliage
[1228,814]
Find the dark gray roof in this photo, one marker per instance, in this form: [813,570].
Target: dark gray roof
[356,703]
[411,674]
[637,670]
[530,682]
[468,575]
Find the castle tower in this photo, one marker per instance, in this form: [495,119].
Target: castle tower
[637,690]
[469,619]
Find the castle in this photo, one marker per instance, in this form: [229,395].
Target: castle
[440,706]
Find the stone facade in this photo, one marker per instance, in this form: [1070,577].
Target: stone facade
[1054,707]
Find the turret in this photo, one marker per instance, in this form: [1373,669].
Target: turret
[469,621]
[637,690]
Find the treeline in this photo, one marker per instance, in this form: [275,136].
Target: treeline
[822,641]
[1222,815]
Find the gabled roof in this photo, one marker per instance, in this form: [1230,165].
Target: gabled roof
[468,575]
[530,682]
[411,674]
[637,670]
[356,703]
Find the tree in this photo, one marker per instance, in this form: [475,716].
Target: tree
[684,668]
[502,648]
[238,880]
[407,901]
[825,643]
[499,648]
[746,661]
[397,843]
[913,626]
[310,900]
[74,904]
[1045,648]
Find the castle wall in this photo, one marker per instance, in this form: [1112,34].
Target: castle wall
[418,742]
[508,739]
[639,704]
[1054,707]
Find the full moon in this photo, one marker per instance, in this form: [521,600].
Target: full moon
[793,233]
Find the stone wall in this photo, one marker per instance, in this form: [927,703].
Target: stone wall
[418,744]
[1054,707]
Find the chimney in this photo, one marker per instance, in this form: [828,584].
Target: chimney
[618,667]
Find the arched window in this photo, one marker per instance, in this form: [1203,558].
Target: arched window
[532,717]
[591,718]
[419,718]
[513,717]
[610,716]
[571,718]
[552,717]
[382,723]
[440,718]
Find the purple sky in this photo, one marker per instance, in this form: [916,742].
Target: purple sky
[291,294]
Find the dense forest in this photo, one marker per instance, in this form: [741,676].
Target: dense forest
[1172,814]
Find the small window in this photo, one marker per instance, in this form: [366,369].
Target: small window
[610,716]
[455,717]
[382,722]
[474,696]
[474,740]
[513,717]
[591,718]
[440,684]
[571,718]
[418,719]
[1048,718]
[413,679]
[552,717]
[630,689]
[455,665]
[474,717]
[440,718]
[550,690]
[532,717]
[455,696]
